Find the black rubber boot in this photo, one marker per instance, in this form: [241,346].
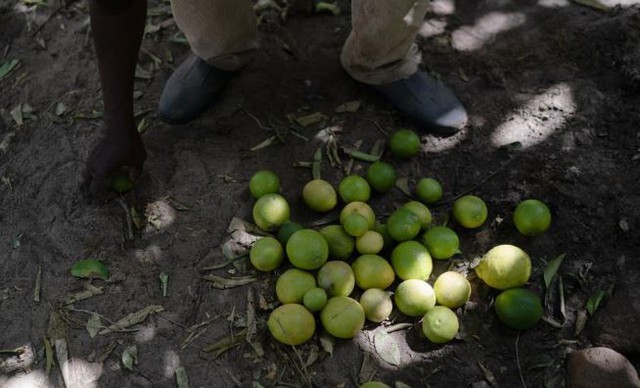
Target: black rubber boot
[428,102]
[192,89]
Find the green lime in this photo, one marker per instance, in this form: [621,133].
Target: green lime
[381,176]
[372,271]
[442,242]
[371,242]
[532,217]
[291,324]
[264,182]
[404,143]
[120,182]
[377,304]
[266,254]
[336,278]
[319,195]
[342,317]
[315,299]
[355,224]
[470,211]
[518,308]
[270,211]
[414,297]
[286,230]
[452,289]
[341,244]
[403,224]
[354,188]
[293,284]
[505,266]
[429,190]
[422,211]
[440,324]
[386,237]
[307,249]
[361,208]
[411,260]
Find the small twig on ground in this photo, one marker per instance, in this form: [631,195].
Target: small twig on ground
[518,361]
[384,132]
[257,120]
[127,215]
[472,189]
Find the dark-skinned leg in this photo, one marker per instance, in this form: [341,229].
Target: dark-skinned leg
[117,26]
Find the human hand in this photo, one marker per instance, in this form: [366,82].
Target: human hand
[118,151]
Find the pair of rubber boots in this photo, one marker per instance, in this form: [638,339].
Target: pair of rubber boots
[195,86]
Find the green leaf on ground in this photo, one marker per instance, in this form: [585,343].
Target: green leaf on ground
[90,291]
[223,283]
[349,107]
[130,357]
[551,269]
[94,324]
[181,378]
[311,119]
[164,280]
[387,347]
[595,4]
[8,67]
[332,8]
[90,268]
[594,301]
[132,319]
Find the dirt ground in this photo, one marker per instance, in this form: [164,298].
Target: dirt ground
[551,90]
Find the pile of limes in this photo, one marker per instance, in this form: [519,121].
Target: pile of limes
[345,272]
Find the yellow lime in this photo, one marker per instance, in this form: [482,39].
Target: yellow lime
[355,224]
[307,249]
[452,289]
[361,208]
[354,188]
[518,308]
[505,266]
[411,260]
[291,324]
[381,176]
[266,254]
[429,190]
[371,242]
[404,143]
[336,278]
[403,224]
[120,181]
[532,217]
[315,299]
[286,230]
[372,271]
[440,324]
[342,317]
[470,211]
[270,211]
[422,211]
[319,195]
[341,244]
[293,284]
[377,304]
[442,242]
[414,297]
[264,182]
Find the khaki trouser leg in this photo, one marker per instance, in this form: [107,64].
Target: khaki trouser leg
[222,32]
[381,47]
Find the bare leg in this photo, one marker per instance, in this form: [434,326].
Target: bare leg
[117,27]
